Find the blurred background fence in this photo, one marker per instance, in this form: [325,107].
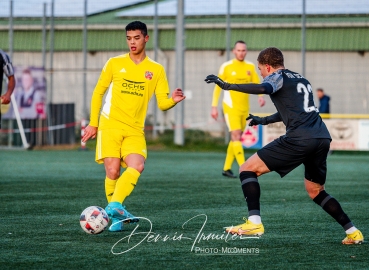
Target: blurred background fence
[70,40]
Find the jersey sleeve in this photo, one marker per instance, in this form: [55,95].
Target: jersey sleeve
[162,91]
[164,103]
[7,65]
[217,90]
[255,77]
[275,80]
[102,85]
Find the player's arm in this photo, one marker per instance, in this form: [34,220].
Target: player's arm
[216,94]
[256,120]
[214,102]
[102,85]
[256,79]
[96,101]
[250,88]
[165,103]
[162,90]
[5,99]
[9,72]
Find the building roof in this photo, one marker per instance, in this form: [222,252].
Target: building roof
[260,7]
[62,8]
[263,25]
[75,8]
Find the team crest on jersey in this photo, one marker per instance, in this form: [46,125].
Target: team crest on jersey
[248,73]
[148,75]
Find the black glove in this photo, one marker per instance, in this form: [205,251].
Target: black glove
[256,120]
[215,79]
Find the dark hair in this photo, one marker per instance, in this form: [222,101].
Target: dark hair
[137,25]
[239,41]
[271,56]
[27,71]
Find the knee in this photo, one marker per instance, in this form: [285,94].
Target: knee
[249,166]
[139,167]
[236,135]
[313,189]
[113,172]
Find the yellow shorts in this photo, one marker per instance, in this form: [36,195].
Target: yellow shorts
[119,144]
[234,120]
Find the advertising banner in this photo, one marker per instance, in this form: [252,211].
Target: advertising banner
[363,134]
[252,137]
[347,134]
[29,93]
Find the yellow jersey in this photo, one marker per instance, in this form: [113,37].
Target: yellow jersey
[236,72]
[130,87]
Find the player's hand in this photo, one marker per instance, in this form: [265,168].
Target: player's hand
[214,113]
[4,99]
[215,79]
[178,95]
[256,120]
[89,133]
[261,101]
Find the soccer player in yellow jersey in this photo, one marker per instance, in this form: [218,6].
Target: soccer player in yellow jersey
[130,79]
[235,105]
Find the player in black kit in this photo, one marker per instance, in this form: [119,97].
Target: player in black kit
[306,141]
[6,68]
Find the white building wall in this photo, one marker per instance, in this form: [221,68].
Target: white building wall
[343,76]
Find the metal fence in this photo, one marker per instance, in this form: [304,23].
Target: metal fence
[182,34]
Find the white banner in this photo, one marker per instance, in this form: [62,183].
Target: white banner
[347,134]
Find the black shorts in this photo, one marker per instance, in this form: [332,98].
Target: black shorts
[285,154]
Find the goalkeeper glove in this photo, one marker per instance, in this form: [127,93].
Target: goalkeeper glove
[215,79]
[256,120]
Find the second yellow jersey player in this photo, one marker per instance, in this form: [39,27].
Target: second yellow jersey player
[235,105]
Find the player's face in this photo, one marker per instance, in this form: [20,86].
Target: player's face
[319,94]
[27,81]
[240,51]
[264,70]
[136,41]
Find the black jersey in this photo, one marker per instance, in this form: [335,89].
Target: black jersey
[293,97]
[5,67]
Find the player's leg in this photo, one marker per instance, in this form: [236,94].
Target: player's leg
[237,125]
[237,146]
[128,180]
[249,172]
[229,155]
[315,176]
[235,149]
[133,153]
[108,151]
[112,170]
[236,137]
[228,162]
[282,156]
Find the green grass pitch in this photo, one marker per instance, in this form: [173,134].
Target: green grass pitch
[187,201]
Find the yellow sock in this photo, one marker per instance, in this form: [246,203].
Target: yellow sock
[125,184]
[238,152]
[109,188]
[229,157]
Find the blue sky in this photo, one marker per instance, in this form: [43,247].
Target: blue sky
[25,8]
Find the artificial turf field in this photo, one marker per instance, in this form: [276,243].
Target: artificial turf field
[188,202]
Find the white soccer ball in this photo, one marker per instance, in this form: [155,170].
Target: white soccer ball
[94,220]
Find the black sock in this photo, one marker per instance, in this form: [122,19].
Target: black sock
[333,208]
[251,191]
